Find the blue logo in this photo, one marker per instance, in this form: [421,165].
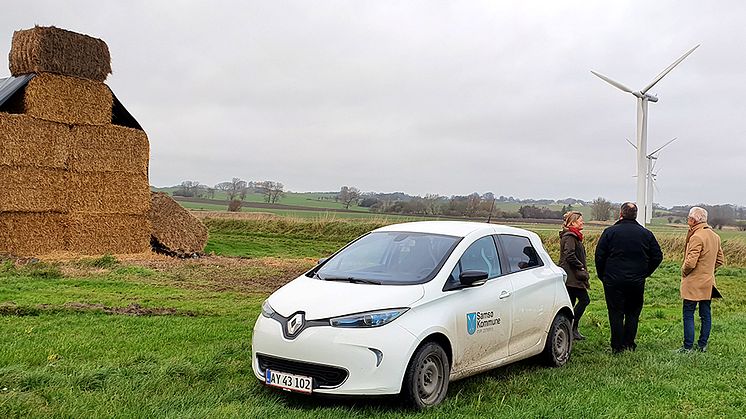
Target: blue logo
[471,323]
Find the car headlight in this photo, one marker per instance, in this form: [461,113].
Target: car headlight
[368,319]
[267,310]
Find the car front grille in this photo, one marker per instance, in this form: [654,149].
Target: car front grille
[323,375]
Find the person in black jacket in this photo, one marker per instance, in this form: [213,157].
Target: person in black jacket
[626,254]
[572,260]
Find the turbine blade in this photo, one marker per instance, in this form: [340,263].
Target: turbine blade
[663,146]
[614,83]
[668,70]
[630,143]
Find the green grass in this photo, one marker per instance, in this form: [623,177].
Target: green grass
[62,356]
[63,363]
[283,238]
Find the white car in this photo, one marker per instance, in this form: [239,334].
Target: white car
[406,308]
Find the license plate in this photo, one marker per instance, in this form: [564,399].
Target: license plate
[287,381]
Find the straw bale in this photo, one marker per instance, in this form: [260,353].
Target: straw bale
[31,189]
[55,50]
[26,141]
[29,234]
[69,100]
[174,228]
[96,234]
[108,192]
[109,148]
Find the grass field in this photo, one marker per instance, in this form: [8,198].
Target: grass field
[171,338]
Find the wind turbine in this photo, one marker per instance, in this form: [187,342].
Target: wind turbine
[652,159]
[642,128]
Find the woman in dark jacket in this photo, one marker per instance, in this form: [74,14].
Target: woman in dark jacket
[572,260]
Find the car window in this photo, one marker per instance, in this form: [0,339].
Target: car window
[480,256]
[519,252]
[391,258]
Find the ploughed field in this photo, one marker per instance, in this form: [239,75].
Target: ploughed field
[147,335]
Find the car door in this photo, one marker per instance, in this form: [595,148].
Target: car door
[532,292]
[482,316]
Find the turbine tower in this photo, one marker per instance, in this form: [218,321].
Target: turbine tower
[652,159]
[642,129]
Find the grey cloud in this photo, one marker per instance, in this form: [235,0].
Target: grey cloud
[420,96]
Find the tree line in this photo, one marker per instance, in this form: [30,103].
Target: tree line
[235,191]
[474,205]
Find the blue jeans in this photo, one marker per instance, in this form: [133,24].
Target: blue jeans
[705,315]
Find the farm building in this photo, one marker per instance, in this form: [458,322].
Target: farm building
[73,161]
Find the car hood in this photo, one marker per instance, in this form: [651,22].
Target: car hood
[323,299]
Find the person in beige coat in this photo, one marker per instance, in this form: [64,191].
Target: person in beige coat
[702,257]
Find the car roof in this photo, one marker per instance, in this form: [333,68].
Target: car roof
[452,228]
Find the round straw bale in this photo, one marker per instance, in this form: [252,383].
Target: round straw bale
[174,228]
[55,50]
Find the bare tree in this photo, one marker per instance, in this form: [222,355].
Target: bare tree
[348,195]
[271,190]
[188,188]
[472,204]
[601,209]
[233,188]
[431,202]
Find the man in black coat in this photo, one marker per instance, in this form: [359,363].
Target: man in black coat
[626,254]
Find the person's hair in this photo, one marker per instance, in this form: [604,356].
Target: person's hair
[570,217]
[628,211]
[698,214]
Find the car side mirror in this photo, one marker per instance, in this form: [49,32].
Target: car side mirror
[322,260]
[473,278]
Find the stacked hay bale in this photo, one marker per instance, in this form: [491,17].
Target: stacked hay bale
[69,179]
[175,230]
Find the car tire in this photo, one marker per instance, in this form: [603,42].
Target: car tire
[559,342]
[426,378]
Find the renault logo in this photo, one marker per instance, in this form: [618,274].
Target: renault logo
[295,323]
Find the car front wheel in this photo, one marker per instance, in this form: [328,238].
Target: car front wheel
[426,379]
[559,342]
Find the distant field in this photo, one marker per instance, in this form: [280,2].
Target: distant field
[302,199]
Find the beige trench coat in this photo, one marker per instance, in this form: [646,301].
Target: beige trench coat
[703,256]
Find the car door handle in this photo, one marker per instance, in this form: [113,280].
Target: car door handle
[504,294]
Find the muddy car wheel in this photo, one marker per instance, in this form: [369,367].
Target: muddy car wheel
[559,342]
[426,379]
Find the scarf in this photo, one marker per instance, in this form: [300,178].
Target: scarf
[576,231]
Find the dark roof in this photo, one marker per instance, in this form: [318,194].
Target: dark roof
[11,86]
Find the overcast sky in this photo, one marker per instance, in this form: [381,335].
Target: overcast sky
[425,96]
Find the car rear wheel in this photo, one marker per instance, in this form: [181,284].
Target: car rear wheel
[426,379]
[559,342]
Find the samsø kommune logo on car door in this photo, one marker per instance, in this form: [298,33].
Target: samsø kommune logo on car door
[481,321]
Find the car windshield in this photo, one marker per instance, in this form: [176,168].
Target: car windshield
[389,258]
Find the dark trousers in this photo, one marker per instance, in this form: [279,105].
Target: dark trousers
[705,315]
[581,296]
[624,303]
